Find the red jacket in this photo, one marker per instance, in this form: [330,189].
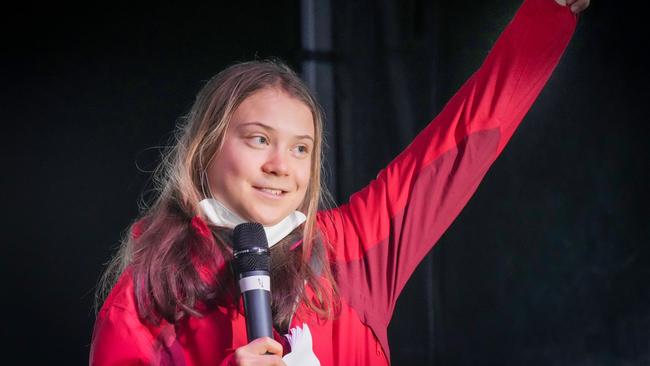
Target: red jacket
[386,229]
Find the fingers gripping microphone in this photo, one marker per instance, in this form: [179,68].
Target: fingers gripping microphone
[251,264]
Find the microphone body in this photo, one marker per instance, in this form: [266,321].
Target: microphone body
[257,306]
[251,263]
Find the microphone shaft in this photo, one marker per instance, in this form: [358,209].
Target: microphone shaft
[255,287]
[258,314]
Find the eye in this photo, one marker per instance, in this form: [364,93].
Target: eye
[259,140]
[301,150]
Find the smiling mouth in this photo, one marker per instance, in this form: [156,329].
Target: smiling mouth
[271,191]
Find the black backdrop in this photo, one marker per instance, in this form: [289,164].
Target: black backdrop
[548,263]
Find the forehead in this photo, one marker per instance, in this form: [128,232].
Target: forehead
[277,109]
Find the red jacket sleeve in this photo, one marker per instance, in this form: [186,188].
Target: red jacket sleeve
[386,229]
[120,339]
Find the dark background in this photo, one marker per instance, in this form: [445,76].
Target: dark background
[547,265]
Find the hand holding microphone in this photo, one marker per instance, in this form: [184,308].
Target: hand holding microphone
[252,266]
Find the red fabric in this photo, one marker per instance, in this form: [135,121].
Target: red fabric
[137,229]
[201,227]
[385,230]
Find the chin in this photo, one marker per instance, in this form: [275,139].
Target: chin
[270,222]
[266,220]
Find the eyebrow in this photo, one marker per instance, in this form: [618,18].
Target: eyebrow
[267,127]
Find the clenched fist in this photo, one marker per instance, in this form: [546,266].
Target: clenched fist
[577,6]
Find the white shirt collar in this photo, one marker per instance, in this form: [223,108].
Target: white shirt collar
[220,215]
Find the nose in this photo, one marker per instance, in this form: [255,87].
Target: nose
[276,163]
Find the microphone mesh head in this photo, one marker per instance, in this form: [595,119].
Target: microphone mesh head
[250,236]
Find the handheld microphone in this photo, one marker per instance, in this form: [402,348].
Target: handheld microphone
[251,264]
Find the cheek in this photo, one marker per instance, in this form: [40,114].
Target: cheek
[303,177]
[223,171]
[233,161]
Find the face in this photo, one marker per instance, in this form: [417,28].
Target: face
[263,169]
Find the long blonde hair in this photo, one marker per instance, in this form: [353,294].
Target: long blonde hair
[162,243]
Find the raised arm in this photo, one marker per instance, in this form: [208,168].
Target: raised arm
[386,229]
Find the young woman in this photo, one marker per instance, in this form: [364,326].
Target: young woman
[250,151]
